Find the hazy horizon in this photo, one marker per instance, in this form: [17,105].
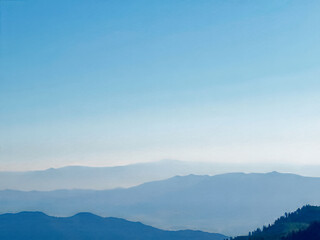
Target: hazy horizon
[109,83]
[196,168]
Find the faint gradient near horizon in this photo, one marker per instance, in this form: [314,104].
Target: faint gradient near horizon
[104,83]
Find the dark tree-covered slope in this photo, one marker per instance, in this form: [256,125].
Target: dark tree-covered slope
[311,233]
[301,222]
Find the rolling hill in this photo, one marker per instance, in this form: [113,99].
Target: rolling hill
[86,226]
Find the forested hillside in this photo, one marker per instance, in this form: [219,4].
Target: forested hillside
[311,233]
[292,226]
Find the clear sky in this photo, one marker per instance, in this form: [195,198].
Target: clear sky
[104,83]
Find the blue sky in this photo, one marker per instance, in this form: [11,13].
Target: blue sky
[115,82]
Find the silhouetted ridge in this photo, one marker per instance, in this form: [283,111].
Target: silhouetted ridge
[87,226]
[86,215]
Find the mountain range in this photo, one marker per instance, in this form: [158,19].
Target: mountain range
[86,226]
[231,204]
[102,178]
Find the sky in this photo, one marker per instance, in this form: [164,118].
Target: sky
[104,83]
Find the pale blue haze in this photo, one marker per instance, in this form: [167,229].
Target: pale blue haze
[104,83]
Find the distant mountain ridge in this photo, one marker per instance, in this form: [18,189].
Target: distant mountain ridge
[230,204]
[86,226]
[102,178]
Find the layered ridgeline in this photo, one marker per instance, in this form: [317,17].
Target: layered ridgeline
[101,178]
[231,204]
[86,226]
[303,224]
